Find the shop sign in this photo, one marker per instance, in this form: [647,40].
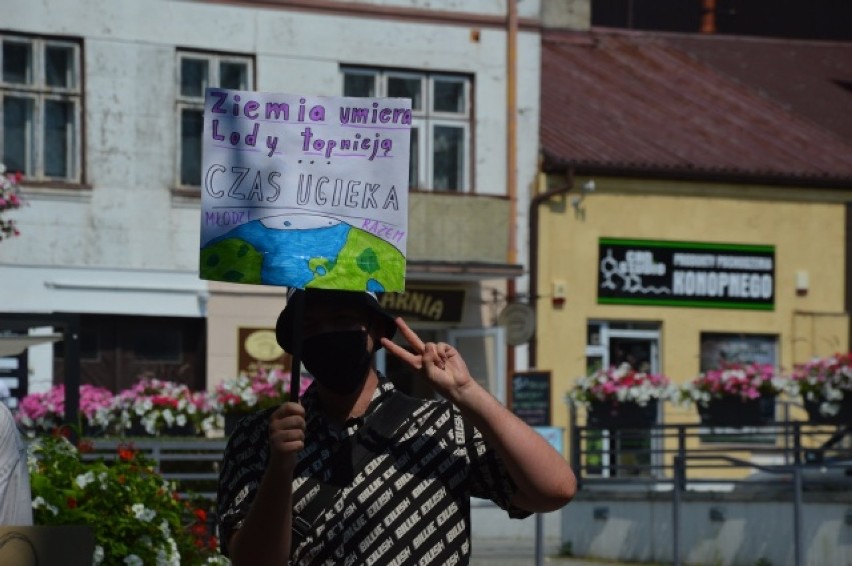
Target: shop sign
[257,349]
[686,274]
[426,304]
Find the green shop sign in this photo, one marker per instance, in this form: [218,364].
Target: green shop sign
[686,274]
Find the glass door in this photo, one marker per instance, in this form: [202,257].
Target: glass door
[611,344]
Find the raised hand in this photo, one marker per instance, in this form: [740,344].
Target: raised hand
[286,435]
[439,363]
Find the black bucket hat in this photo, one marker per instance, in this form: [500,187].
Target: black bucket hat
[365,299]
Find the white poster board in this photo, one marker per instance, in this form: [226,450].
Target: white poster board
[305,191]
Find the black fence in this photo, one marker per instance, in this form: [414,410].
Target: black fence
[193,464]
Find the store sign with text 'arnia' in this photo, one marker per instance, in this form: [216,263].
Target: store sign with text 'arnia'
[686,274]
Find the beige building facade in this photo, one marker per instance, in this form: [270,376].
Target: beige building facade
[800,235]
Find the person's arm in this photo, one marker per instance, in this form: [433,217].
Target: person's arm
[544,480]
[265,535]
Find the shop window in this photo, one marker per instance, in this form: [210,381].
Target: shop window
[718,349]
[196,72]
[441,118]
[115,350]
[40,104]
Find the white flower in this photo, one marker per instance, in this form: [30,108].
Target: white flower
[39,502]
[181,420]
[133,560]
[98,557]
[84,479]
[170,556]
[142,513]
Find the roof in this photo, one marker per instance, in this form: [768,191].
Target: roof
[811,78]
[648,102]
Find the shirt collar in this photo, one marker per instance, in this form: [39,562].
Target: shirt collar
[310,400]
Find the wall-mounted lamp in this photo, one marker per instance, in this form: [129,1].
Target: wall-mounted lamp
[577,201]
[717,515]
[600,513]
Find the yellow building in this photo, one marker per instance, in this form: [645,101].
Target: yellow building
[683,218]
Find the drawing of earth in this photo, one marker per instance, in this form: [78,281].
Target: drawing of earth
[303,251]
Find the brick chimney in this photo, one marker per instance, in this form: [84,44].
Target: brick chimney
[708,16]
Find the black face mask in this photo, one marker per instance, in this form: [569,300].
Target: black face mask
[338,360]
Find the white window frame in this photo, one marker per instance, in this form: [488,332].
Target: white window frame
[183,102]
[38,92]
[426,118]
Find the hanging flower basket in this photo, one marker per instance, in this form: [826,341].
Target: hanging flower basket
[735,395]
[612,414]
[825,387]
[621,397]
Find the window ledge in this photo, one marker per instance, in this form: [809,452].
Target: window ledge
[46,190]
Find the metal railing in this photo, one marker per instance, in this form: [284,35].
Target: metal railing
[693,457]
[193,464]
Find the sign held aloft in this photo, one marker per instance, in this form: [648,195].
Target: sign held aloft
[305,191]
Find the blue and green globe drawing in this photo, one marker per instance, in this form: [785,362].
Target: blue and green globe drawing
[304,250]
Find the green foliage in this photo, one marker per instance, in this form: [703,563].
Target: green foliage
[136,516]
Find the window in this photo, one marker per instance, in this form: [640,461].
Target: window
[40,108]
[440,133]
[718,349]
[196,72]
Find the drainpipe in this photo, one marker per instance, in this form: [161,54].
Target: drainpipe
[535,203]
[511,159]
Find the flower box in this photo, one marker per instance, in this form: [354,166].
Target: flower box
[816,415]
[735,395]
[613,415]
[737,412]
[621,397]
[825,386]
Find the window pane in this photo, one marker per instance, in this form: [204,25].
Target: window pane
[233,75]
[414,163]
[191,126]
[449,96]
[17,62]
[59,66]
[448,158]
[58,135]
[18,134]
[359,84]
[193,77]
[406,87]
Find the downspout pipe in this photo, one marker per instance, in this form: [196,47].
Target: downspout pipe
[535,203]
[511,161]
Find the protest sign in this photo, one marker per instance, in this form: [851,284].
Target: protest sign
[305,191]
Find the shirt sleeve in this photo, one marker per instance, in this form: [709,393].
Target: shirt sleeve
[488,477]
[243,464]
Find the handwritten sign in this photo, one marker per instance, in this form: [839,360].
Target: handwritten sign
[305,191]
[531,397]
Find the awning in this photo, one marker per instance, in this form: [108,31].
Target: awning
[12,345]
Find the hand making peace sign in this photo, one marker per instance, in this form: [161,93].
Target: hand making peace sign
[439,363]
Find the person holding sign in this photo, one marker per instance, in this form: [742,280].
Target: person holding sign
[360,473]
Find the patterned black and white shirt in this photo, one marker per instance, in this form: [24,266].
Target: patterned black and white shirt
[409,503]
